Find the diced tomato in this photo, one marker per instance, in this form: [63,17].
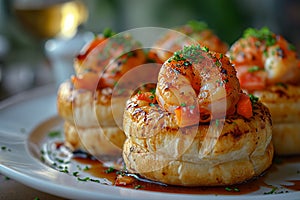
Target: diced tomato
[88,81]
[147,96]
[244,106]
[251,80]
[186,116]
[90,47]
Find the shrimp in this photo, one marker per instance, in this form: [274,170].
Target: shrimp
[104,61]
[193,32]
[263,58]
[198,86]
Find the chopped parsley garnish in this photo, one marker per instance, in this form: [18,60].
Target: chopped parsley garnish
[83,179]
[3,148]
[229,189]
[152,104]
[282,85]
[261,34]
[192,54]
[95,180]
[59,160]
[65,171]
[272,191]
[253,99]
[137,187]
[206,49]
[291,47]
[54,134]
[122,173]
[109,170]
[107,32]
[254,69]
[75,174]
[153,91]
[183,104]
[86,168]
[192,107]
[197,25]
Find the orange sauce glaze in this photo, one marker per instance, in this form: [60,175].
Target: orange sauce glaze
[98,170]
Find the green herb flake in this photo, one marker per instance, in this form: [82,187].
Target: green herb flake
[109,170]
[153,91]
[254,69]
[83,179]
[59,160]
[36,198]
[291,47]
[272,191]
[197,26]
[183,104]
[86,168]
[151,104]
[107,32]
[262,34]
[95,180]
[192,107]
[205,49]
[217,122]
[151,97]
[7,178]
[3,148]
[75,174]
[122,173]
[282,85]
[138,187]
[253,99]
[54,134]
[235,189]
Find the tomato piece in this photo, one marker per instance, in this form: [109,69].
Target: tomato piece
[186,116]
[147,96]
[244,106]
[251,80]
[88,81]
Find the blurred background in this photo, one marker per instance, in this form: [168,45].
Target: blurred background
[39,38]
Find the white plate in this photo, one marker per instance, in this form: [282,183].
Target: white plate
[23,128]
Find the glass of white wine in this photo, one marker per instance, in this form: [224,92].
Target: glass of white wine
[54,25]
[46,19]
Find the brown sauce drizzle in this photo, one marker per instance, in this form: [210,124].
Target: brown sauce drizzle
[98,170]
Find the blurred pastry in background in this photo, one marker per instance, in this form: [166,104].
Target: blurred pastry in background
[194,32]
[85,101]
[268,67]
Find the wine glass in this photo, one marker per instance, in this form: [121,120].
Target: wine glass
[53,25]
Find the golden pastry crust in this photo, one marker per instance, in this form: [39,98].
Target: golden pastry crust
[158,149]
[89,109]
[97,141]
[283,102]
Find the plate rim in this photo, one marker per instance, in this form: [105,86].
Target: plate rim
[64,190]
